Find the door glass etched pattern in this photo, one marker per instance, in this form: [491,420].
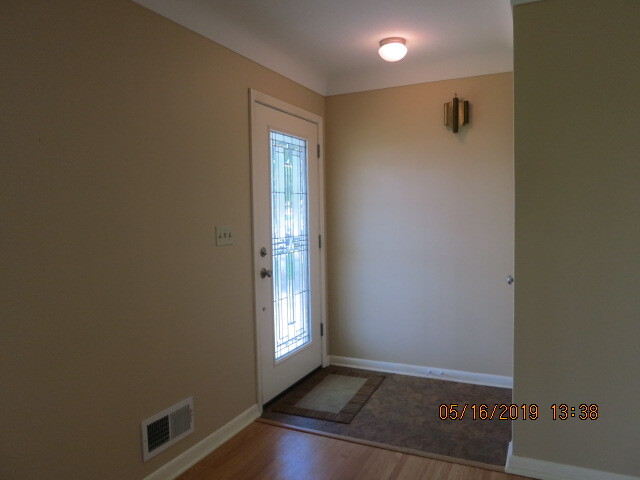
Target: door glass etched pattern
[290,243]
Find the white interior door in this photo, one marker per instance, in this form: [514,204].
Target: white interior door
[287,264]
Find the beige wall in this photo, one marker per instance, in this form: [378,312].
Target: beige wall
[420,226]
[577,315]
[124,142]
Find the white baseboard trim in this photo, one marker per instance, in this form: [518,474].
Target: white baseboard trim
[520,2]
[530,467]
[423,371]
[188,459]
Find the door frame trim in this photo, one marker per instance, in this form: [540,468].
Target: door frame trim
[256,97]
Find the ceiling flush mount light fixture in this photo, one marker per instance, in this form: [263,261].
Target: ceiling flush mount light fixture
[393,49]
[456,113]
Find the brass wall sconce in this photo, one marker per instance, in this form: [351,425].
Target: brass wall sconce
[456,113]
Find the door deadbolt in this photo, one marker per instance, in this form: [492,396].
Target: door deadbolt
[265,273]
[263,252]
[510,280]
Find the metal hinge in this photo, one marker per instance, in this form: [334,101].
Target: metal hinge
[318,150]
[319,241]
[322,329]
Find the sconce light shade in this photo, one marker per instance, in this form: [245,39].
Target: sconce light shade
[456,113]
[392,49]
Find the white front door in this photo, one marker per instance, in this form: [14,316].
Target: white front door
[286,230]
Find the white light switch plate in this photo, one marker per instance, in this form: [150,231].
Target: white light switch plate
[224,236]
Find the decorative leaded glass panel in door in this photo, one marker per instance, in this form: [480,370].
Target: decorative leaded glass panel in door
[290,243]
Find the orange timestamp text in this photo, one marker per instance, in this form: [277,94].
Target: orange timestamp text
[506,411]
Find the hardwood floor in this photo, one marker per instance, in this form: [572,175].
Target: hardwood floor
[266,452]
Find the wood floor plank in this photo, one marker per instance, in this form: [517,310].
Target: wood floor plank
[266,452]
[418,453]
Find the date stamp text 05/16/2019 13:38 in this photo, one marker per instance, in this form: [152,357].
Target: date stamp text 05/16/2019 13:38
[505,411]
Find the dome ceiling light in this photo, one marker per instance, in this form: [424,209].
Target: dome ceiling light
[392,49]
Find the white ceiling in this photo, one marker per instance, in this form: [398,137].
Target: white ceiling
[331,46]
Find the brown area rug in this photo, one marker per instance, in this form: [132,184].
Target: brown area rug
[403,415]
[332,394]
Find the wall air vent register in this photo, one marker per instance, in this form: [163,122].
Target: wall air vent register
[166,428]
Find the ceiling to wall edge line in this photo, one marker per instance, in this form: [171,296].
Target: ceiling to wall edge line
[358,68]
